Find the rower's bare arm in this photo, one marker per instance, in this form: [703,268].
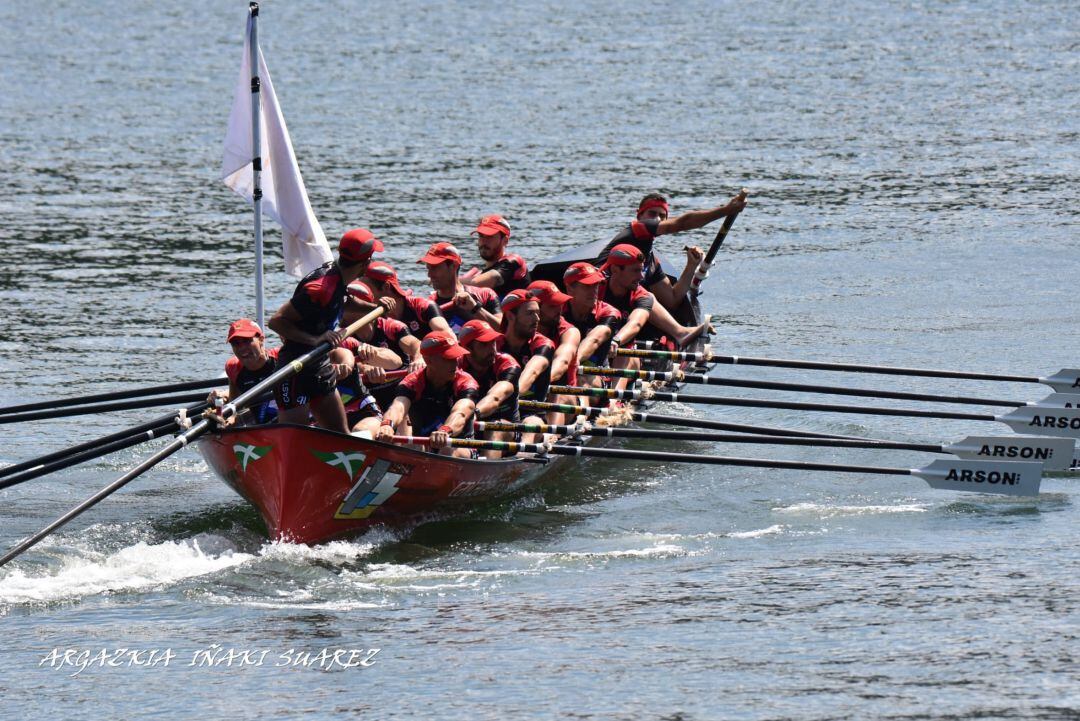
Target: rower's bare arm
[532,370]
[700,218]
[342,361]
[594,340]
[411,345]
[488,279]
[634,323]
[565,354]
[493,319]
[393,417]
[694,256]
[494,398]
[460,414]
[284,323]
[384,358]
[439,323]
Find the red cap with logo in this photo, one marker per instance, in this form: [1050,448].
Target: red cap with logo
[385,273]
[243,328]
[492,224]
[623,254]
[359,290]
[582,272]
[548,293]
[442,343]
[359,244]
[478,330]
[440,253]
[515,298]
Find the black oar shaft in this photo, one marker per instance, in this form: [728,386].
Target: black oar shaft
[761,403]
[115,395]
[698,379]
[104,408]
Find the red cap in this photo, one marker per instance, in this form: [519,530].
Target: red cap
[623,254]
[243,328]
[440,253]
[548,293]
[385,273]
[492,224]
[515,298]
[478,330]
[358,244]
[583,272]
[650,203]
[359,290]
[442,343]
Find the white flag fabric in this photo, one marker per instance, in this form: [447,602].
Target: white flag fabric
[284,197]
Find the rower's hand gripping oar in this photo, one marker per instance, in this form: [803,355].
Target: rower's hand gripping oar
[234,406]
[702,271]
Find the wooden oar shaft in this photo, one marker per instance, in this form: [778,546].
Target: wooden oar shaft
[115,395]
[761,403]
[816,365]
[702,271]
[104,408]
[701,379]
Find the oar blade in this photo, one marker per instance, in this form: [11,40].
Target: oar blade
[1008,479]
[1056,454]
[1066,380]
[1060,400]
[1037,420]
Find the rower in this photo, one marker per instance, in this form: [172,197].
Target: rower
[652,220]
[459,303]
[421,315]
[502,272]
[552,325]
[437,400]
[531,349]
[362,411]
[595,319]
[623,290]
[497,374]
[252,362]
[310,318]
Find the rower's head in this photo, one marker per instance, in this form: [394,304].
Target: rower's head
[582,281]
[482,341]
[653,207]
[246,338]
[492,235]
[383,280]
[355,250]
[441,351]
[443,261]
[551,300]
[521,312]
[624,266]
[362,292]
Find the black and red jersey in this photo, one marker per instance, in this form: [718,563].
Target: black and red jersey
[635,299]
[513,273]
[417,314]
[503,368]
[244,380]
[430,406]
[355,395]
[319,299]
[538,345]
[602,314]
[640,234]
[485,297]
[389,333]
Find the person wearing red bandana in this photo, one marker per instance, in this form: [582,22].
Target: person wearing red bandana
[252,363]
[420,314]
[311,317]
[438,400]
[502,272]
[594,318]
[652,220]
[530,348]
[459,303]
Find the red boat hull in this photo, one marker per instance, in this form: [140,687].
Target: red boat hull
[311,485]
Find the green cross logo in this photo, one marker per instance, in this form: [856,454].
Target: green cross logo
[343,460]
[246,453]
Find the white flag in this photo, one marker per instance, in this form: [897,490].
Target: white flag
[284,197]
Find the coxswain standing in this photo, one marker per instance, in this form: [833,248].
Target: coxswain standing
[385,345]
[311,317]
[531,349]
[459,303]
[652,220]
[502,272]
[421,315]
[252,363]
[437,400]
[595,319]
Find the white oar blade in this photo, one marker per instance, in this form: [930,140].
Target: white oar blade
[1039,421]
[1009,479]
[1066,380]
[1059,400]
[1056,454]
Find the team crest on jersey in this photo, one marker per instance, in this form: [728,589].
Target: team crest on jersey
[246,453]
[414,325]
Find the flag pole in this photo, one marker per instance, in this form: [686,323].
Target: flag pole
[256,162]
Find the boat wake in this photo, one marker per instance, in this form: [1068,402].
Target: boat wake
[825,510]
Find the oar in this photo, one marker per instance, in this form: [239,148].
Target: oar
[104,408]
[1029,419]
[1055,454]
[1009,479]
[1066,380]
[114,396]
[702,271]
[230,409]
[1054,400]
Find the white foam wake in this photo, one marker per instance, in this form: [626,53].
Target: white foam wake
[770,531]
[824,510]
